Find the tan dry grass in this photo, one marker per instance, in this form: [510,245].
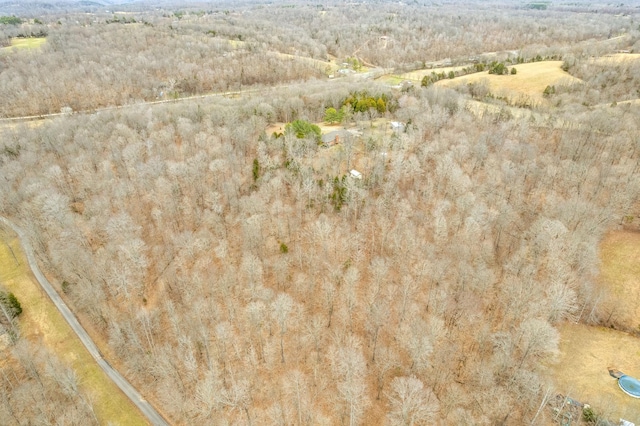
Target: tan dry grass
[324,66]
[616,58]
[324,127]
[419,74]
[14,125]
[620,276]
[581,371]
[41,322]
[586,352]
[526,86]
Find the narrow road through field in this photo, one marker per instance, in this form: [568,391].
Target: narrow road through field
[145,407]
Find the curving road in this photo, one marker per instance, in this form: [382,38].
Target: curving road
[145,407]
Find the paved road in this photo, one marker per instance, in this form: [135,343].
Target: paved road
[145,407]
[374,73]
[229,94]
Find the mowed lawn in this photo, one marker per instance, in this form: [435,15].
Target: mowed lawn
[526,86]
[586,351]
[41,322]
[26,43]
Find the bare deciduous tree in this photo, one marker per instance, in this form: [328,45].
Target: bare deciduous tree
[411,403]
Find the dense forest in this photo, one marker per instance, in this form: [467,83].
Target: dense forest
[240,277]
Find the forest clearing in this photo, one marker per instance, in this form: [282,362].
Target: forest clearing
[620,277]
[28,43]
[616,58]
[580,369]
[586,352]
[315,63]
[525,87]
[348,150]
[417,76]
[25,43]
[324,66]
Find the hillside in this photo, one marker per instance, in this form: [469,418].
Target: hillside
[237,271]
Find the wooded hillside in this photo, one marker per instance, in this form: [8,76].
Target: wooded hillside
[237,282]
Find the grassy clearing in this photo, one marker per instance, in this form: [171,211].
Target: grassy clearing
[586,352]
[616,58]
[581,371]
[620,275]
[316,63]
[279,127]
[324,66]
[237,44]
[332,161]
[391,80]
[535,118]
[16,125]
[419,75]
[327,67]
[26,43]
[524,87]
[41,322]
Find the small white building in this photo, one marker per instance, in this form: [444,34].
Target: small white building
[355,174]
[398,127]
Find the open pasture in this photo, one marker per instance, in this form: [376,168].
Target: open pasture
[525,87]
[25,43]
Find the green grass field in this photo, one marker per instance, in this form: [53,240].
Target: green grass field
[26,43]
[40,321]
[391,80]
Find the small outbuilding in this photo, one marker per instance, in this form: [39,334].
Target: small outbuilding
[335,137]
[398,127]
